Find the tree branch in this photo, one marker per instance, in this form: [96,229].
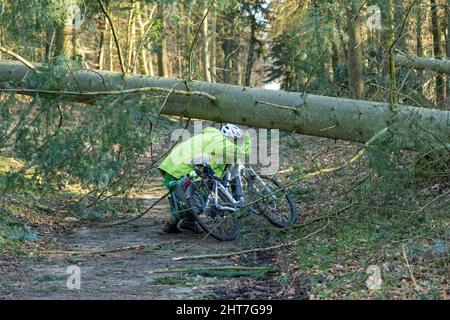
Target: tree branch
[116,40]
[113,92]
[237,253]
[18,57]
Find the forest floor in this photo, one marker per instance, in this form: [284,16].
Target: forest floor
[350,222]
[136,261]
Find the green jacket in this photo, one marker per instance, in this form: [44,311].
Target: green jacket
[210,142]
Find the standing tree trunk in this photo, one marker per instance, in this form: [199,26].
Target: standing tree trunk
[151,71]
[236,79]
[447,44]
[49,44]
[251,51]
[181,37]
[419,44]
[142,54]
[75,55]
[205,48]
[131,33]
[179,51]
[180,59]
[187,35]
[111,48]
[150,63]
[399,13]
[162,52]
[435,30]
[335,61]
[390,44]
[131,53]
[150,60]
[235,62]
[227,47]
[101,46]
[61,35]
[447,49]
[355,75]
[213,43]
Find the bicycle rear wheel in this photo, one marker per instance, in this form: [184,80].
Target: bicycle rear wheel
[222,225]
[273,201]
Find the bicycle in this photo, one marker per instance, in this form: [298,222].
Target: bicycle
[218,203]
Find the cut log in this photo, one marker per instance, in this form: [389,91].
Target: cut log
[330,117]
[442,66]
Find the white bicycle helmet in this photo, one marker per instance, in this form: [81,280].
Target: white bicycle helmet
[230,130]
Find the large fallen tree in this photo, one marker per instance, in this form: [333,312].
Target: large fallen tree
[441,66]
[329,117]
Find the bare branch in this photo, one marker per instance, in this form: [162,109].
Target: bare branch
[113,93]
[18,57]
[116,40]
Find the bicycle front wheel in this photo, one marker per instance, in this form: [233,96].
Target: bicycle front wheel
[222,224]
[273,201]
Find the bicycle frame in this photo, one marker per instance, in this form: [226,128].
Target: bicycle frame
[234,171]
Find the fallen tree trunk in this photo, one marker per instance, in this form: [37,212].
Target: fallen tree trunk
[321,116]
[441,66]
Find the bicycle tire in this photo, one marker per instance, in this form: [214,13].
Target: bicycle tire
[293,215]
[197,207]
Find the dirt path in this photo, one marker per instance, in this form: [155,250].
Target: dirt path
[123,274]
[129,274]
